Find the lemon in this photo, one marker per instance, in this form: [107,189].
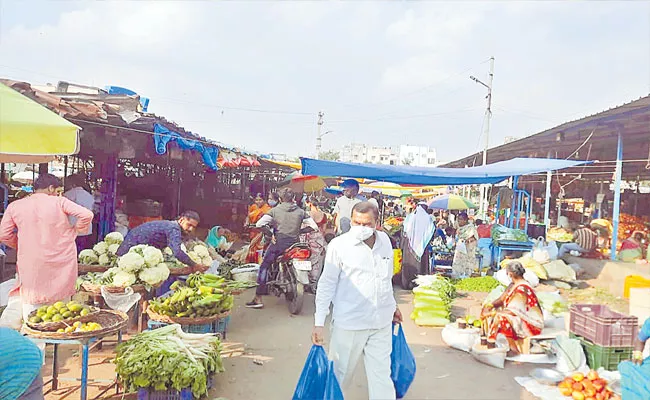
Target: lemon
[84,312]
[42,309]
[63,309]
[66,314]
[69,329]
[35,319]
[51,310]
[60,330]
[75,307]
[47,318]
[77,324]
[57,318]
[58,305]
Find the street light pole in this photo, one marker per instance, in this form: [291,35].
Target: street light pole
[488,116]
[319,137]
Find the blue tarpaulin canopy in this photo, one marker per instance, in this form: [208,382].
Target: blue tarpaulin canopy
[162,136]
[491,173]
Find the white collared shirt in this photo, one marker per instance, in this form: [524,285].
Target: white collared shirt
[357,281]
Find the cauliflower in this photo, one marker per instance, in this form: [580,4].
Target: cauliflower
[194,257]
[154,275]
[112,249]
[124,278]
[138,249]
[130,262]
[101,248]
[168,251]
[108,275]
[206,261]
[104,260]
[201,251]
[152,256]
[88,256]
[114,238]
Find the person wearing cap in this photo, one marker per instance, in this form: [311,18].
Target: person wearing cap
[343,209]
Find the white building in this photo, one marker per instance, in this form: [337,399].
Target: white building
[421,156]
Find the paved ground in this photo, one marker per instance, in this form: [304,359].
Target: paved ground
[280,342]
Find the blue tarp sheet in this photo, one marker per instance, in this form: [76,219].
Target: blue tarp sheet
[163,136]
[491,173]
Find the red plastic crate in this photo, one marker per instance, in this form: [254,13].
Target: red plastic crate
[602,326]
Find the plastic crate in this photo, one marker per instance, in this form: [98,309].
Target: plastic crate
[148,394]
[602,326]
[203,328]
[221,326]
[606,357]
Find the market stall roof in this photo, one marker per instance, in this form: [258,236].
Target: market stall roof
[93,107]
[491,173]
[31,132]
[593,138]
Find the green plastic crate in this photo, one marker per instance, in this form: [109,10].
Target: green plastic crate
[606,357]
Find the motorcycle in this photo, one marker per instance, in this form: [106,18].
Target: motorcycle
[289,274]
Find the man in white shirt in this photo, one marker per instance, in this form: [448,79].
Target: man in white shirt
[343,208]
[357,281]
[79,195]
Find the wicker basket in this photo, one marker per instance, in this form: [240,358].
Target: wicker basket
[53,326]
[110,320]
[85,268]
[97,289]
[184,320]
[181,271]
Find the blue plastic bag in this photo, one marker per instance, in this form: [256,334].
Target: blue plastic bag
[402,363]
[317,380]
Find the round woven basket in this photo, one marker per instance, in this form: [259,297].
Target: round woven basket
[85,268]
[181,271]
[53,326]
[97,289]
[185,321]
[110,320]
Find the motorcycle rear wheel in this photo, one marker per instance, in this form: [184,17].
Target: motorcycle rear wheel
[296,298]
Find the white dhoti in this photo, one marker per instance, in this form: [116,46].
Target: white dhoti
[346,347]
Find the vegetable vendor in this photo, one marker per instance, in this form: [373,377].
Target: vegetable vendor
[516,314]
[635,374]
[161,234]
[585,240]
[38,226]
[217,237]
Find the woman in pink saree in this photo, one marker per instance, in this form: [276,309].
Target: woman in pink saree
[517,314]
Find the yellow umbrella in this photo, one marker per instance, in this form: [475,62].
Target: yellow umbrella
[29,130]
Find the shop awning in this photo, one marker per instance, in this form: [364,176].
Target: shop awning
[31,132]
[491,173]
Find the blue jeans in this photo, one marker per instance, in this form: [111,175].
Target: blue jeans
[568,247]
[274,251]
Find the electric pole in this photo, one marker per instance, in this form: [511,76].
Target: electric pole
[319,136]
[488,116]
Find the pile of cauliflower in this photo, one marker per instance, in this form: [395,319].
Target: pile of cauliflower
[196,250]
[142,264]
[104,252]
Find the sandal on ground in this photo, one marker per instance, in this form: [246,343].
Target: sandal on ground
[254,304]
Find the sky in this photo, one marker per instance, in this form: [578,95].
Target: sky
[255,74]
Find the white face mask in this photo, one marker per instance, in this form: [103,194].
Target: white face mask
[361,233]
[273,203]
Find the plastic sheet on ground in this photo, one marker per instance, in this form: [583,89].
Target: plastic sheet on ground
[545,392]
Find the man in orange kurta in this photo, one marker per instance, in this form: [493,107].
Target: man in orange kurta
[39,228]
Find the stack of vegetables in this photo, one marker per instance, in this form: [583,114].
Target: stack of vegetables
[104,252]
[143,264]
[168,359]
[629,223]
[201,296]
[432,300]
[483,284]
[196,250]
[393,224]
[559,235]
[501,233]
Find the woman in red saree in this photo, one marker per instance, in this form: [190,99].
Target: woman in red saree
[517,314]
[255,212]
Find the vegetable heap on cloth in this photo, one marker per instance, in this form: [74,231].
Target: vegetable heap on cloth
[104,252]
[432,300]
[143,264]
[168,358]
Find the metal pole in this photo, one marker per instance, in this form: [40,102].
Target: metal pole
[319,137]
[547,201]
[488,116]
[617,195]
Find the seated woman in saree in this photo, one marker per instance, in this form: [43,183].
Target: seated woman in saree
[632,248]
[465,260]
[635,374]
[517,314]
[216,237]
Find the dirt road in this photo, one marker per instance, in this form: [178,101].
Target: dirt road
[281,343]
